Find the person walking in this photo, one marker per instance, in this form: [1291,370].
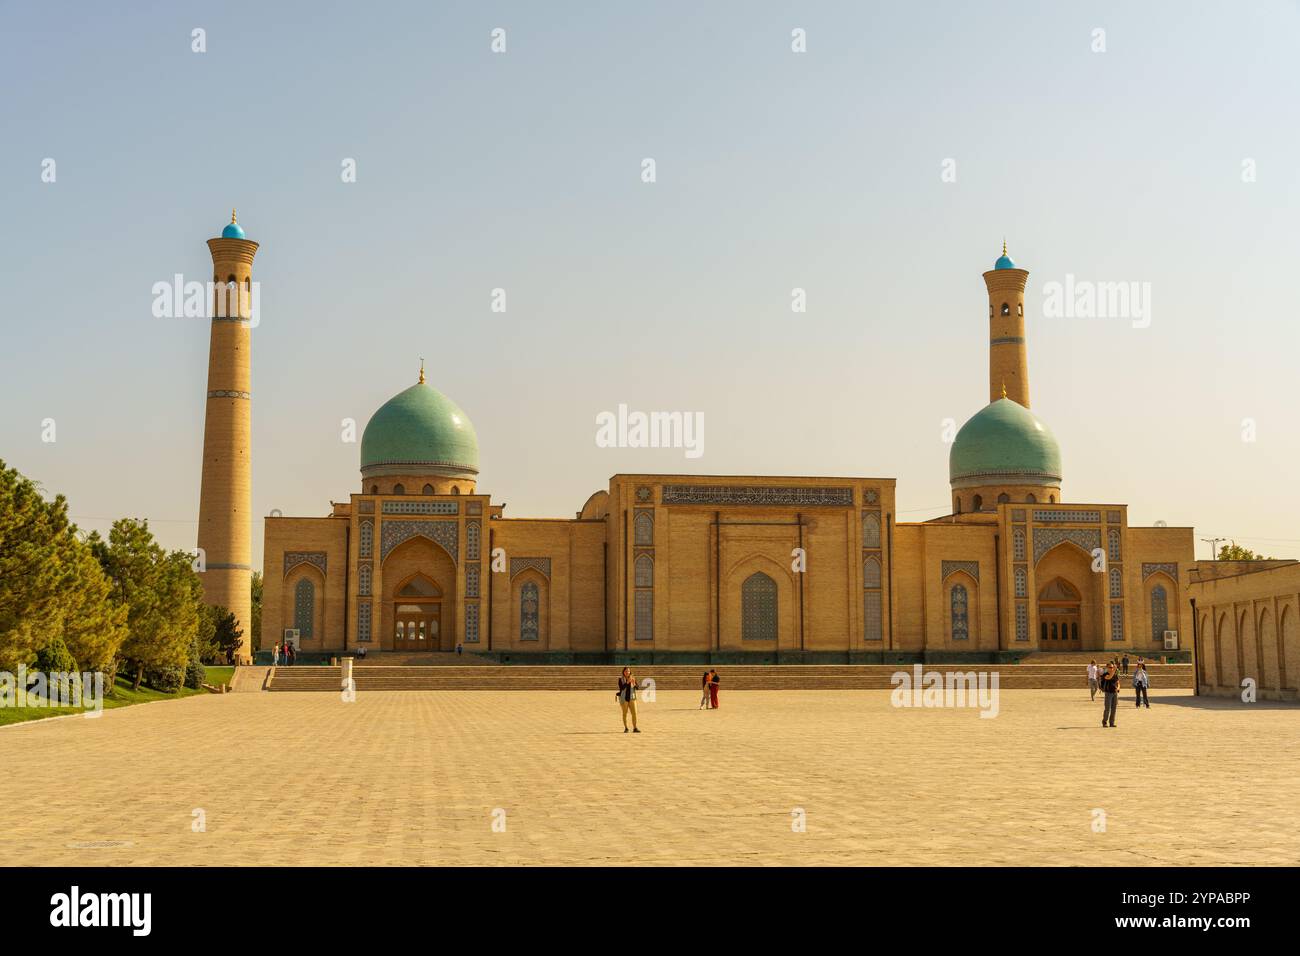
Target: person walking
[275,654]
[1092,679]
[1141,681]
[704,690]
[1110,690]
[1125,660]
[460,649]
[627,698]
[713,689]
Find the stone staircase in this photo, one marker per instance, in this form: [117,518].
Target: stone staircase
[1081,658]
[485,675]
[423,659]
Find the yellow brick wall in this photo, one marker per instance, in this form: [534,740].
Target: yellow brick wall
[328,535]
[1248,627]
[571,598]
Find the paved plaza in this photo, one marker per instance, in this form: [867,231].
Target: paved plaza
[420,778]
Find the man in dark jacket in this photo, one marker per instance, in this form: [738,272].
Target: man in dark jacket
[1110,688]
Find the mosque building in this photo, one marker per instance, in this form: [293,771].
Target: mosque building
[680,568]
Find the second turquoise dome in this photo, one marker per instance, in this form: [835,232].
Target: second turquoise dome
[418,430]
[1004,441]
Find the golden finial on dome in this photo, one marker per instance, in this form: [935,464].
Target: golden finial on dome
[1004,245]
[1004,389]
[232,216]
[421,371]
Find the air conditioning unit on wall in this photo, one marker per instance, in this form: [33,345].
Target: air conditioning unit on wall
[1171,640]
[291,636]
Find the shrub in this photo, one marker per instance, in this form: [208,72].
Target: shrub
[55,658]
[167,679]
[195,675]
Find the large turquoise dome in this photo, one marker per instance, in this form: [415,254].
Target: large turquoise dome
[419,431]
[1004,442]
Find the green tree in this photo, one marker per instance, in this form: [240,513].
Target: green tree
[256,624]
[219,634]
[38,568]
[1235,552]
[228,635]
[94,625]
[160,591]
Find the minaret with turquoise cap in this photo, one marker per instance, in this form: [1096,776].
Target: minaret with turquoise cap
[226,496]
[1008,359]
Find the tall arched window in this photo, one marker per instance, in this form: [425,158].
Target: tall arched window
[1006,309]
[1031,499]
[399,489]
[1116,583]
[472,540]
[960,613]
[643,529]
[304,608]
[428,489]
[1112,545]
[1003,498]
[872,624]
[1022,583]
[1018,544]
[978,503]
[367,538]
[871,573]
[363,579]
[871,529]
[1159,613]
[1117,622]
[530,604]
[645,571]
[758,608]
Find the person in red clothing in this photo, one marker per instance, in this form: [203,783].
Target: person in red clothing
[713,689]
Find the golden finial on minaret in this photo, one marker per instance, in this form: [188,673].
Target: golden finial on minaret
[421,371]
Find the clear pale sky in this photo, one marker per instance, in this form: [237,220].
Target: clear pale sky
[776,170]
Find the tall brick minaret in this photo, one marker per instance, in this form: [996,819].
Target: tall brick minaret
[1008,360]
[225,499]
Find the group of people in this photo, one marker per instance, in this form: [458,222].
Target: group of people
[628,689]
[1106,679]
[285,654]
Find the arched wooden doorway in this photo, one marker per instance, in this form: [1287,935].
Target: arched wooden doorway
[1059,617]
[417,615]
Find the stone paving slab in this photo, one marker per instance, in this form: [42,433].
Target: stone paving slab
[415,777]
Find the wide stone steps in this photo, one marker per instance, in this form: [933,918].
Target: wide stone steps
[424,659]
[739,677]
